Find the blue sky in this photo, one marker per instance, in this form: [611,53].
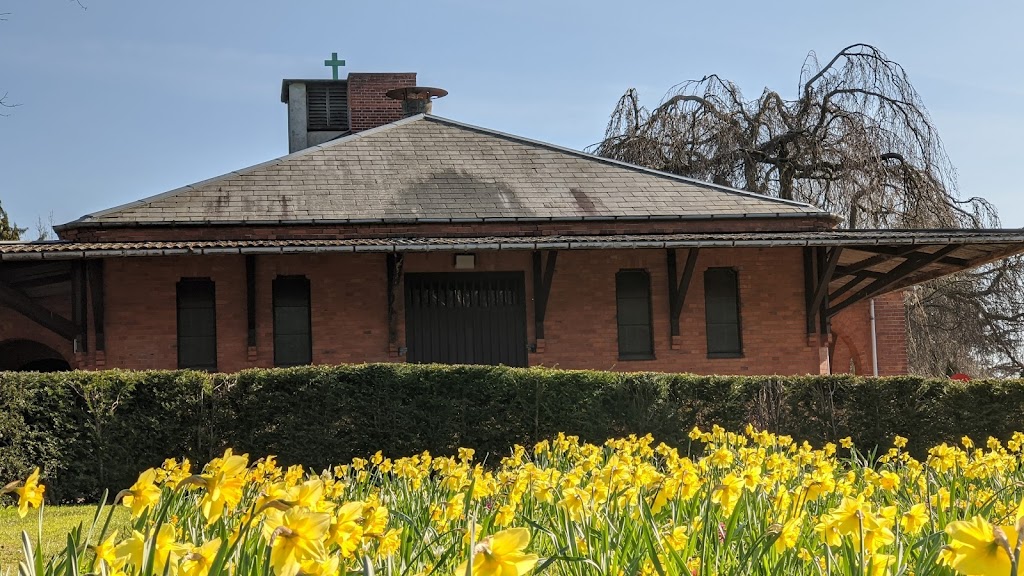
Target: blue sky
[126,99]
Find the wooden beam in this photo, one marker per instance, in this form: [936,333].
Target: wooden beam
[80,307]
[678,287]
[880,285]
[874,260]
[98,303]
[22,304]
[809,285]
[40,281]
[902,251]
[250,299]
[394,262]
[821,307]
[542,288]
[857,279]
[825,276]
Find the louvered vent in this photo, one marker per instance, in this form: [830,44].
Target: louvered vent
[327,106]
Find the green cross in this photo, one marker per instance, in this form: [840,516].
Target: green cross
[334,63]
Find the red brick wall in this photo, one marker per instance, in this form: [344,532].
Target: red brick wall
[580,328]
[851,332]
[350,319]
[303,232]
[367,104]
[348,308]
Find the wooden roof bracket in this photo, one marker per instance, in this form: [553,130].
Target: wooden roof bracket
[880,284]
[819,267]
[21,303]
[543,274]
[678,287]
[95,279]
[395,262]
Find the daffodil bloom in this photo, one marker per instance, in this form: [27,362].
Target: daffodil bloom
[143,494]
[132,549]
[789,534]
[676,539]
[390,543]
[30,494]
[501,554]
[295,536]
[198,560]
[913,520]
[878,564]
[106,552]
[976,548]
[223,483]
[346,530]
[168,549]
[728,493]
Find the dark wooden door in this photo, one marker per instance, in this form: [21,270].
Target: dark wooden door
[466,318]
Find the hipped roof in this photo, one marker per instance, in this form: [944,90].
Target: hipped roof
[428,169]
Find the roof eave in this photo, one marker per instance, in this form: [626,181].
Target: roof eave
[85,222]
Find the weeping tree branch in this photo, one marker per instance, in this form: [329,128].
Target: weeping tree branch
[858,141]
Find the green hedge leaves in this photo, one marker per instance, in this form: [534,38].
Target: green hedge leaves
[96,430]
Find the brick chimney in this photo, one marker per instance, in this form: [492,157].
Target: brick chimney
[322,110]
[367,100]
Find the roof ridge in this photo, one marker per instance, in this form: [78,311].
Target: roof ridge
[621,164]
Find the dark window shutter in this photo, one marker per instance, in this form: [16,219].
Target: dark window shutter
[633,314]
[197,324]
[293,338]
[327,106]
[722,312]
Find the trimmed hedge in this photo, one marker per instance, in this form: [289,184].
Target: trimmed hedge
[96,430]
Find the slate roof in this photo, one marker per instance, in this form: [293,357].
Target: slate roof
[429,169]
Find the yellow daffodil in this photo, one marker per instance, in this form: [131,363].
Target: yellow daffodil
[132,549]
[789,534]
[223,483]
[168,549]
[198,560]
[295,536]
[976,548]
[30,494]
[106,552]
[143,494]
[501,554]
[914,520]
[728,493]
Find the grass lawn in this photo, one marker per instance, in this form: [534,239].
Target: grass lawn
[57,522]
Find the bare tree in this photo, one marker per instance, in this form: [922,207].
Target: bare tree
[44,228]
[857,140]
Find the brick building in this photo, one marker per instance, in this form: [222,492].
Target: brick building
[392,235]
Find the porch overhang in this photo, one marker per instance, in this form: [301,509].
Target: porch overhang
[849,265]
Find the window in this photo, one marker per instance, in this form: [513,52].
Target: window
[293,340]
[197,324]
[722,313]
[633,305]
[327,106]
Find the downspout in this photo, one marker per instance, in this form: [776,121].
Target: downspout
[874,340]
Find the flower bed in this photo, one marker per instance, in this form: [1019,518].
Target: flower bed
[751,503]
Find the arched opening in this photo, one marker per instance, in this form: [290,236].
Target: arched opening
[845,358]
[29,355]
